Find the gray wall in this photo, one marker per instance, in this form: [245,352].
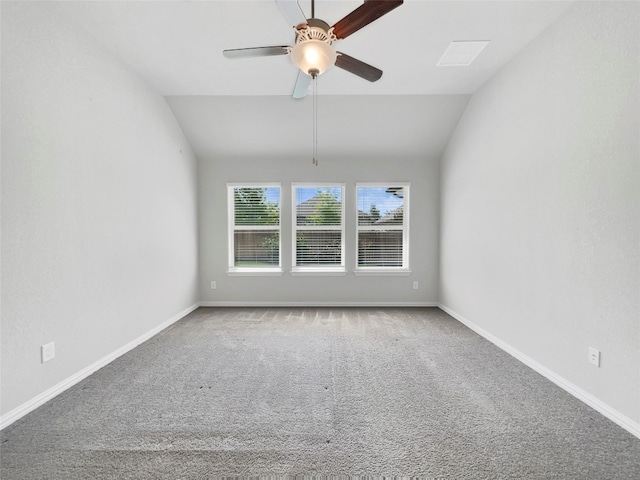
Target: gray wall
[321,290]
[99,222]
[540,211]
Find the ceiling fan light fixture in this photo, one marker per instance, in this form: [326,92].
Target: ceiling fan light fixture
[313,55]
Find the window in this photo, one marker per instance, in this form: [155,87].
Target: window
[382,227]
[318,228]
[254,228]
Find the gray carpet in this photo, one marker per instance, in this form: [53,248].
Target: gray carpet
[317,391]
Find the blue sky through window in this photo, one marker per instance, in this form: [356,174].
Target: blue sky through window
[273,194]
[384,201]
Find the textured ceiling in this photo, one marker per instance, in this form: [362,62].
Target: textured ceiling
[176,47]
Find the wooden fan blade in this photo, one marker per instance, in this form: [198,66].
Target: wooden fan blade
[357,67]
[255,52]
[362,16]
[292,12]
[302,85]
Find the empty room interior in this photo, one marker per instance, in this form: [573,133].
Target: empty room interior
[412,252]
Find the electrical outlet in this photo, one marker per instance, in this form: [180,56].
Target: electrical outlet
[594,356]
[213,285]
[415,285]
[48,352]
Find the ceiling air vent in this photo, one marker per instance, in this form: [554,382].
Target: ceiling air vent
[461,54]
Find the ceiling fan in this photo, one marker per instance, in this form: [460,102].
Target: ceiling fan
[313,52]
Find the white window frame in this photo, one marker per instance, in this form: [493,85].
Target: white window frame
[378,270]
[311,269]
[231,229]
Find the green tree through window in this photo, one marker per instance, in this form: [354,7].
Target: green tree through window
[374,213]
[253,208]
[327,209]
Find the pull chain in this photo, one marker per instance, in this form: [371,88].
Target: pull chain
[314,75]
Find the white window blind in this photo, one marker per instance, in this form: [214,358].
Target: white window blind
[254,227]
[318,227]
[383,226]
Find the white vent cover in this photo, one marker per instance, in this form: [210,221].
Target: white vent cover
[461,54]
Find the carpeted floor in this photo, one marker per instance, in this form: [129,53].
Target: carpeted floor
[317,391]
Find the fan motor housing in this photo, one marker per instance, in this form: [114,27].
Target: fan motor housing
[315,29]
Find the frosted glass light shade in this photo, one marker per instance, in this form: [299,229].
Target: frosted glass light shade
[313,55]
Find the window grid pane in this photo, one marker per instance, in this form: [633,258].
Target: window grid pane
[380,248]
[380,206]
[256,248]
[318,206]
[319,247]
[256,205]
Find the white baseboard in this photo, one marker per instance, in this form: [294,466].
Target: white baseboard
[315,304]
[615,416]
[18,412]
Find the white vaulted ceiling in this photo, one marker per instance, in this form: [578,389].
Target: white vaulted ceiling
[176,47]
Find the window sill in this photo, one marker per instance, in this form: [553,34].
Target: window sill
[254,272]
[379,272]
[327,272]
